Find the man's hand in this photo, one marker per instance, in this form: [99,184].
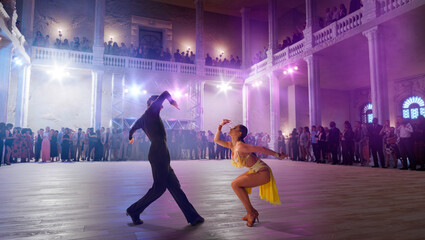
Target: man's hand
[224,122]
[174,103]
[131,141]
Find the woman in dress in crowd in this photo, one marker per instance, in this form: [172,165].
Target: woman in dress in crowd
[98,147]
[8,143]
[66,141]
[16,145]
[115,144]
[38,142]
[259,174]
[347,137]
[45,146]
[322,145]
[54,145]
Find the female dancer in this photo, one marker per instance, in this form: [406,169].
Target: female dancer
[259,174]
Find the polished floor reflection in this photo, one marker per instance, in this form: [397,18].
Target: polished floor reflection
[88,201]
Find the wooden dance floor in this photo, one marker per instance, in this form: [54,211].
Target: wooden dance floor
[87,200]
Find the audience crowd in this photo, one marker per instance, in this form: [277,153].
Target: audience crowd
[385,145]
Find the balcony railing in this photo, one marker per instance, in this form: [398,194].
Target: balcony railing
[63,56]
[386,6]
[224,72]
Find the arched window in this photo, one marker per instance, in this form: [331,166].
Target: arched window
[413,107]
[366,114]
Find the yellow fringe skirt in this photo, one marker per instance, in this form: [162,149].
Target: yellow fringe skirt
[268,191]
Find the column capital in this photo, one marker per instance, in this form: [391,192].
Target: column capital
[371,33]
[245,10]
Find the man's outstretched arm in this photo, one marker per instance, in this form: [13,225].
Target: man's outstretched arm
[137,125]
[157,104]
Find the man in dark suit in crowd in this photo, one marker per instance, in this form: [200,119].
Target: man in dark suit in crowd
[159,158]
[333,141]
[375,143]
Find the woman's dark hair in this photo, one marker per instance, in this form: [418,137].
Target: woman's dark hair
[244,132]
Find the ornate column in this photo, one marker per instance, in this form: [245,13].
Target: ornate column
[311,23]
[5,67]
[22,96]
[274,109]
[96,98]
[200,56]
[314,90]
[378,78]
[272,26]
[99,29]
[245,105]
[246,38]
[27,24]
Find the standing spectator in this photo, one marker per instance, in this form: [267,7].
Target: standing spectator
[66,142]
[329,16]
[375,142]
[355,5]
[115,144]
[420,142]
[45,146]
[405,132]
[335,14]
[98,147]
[204,143]
[347,144]
[304,142]
[38,141]
[280,142]
[333,141]
[364,144]
[92,140]
[106,140]
[54,145]
[294,144]
[315,143]
[323,150]
[342,11]
[85,153]
[78,139]
[211,150]
[357,139]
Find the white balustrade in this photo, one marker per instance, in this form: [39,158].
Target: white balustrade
[223,72]
[386,6]
[349,22]
[281,56]
[296,48]
[114,61]
[323,35]
[187,68]
[39,53]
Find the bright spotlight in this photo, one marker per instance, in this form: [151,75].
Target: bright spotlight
[285,72]
[186,95]
[135,90]
[290,70]
[224,86]
[177,94]
[144,91]
[58,73]
[17,61]
[126,90]
[296,68]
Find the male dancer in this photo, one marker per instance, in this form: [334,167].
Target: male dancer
[159,158]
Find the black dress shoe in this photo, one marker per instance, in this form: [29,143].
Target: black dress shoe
[403,168]
[375,166]
[197,221]
[136,219]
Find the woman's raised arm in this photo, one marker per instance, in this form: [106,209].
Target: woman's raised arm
[248,148]
[217,135]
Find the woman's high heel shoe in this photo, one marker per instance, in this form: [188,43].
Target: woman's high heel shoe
[245,218]
[251,219]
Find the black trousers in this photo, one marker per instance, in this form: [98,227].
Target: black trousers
[316,151]
[333,149]
[376,150]
[406,146]
[163,178]
[211,152]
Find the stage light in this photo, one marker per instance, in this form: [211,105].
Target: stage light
[290,70]
[58,73]
[135,90]
[296,68]
[17,61]
[126,90]
[224,86]
[285,72]
[186,95]
[144,92]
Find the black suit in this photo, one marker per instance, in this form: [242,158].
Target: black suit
[159,158]
[375,143]
[333,143]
